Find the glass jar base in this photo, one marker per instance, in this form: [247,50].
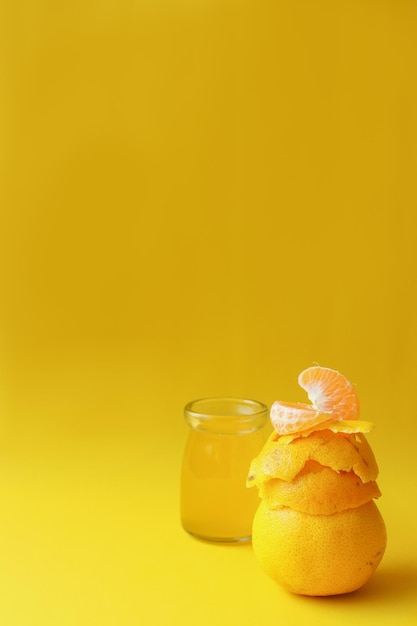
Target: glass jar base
[222,540]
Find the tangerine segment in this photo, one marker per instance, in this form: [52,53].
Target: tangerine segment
[330,391]
[291,417]
[319,555]
[339,451]
[318,490]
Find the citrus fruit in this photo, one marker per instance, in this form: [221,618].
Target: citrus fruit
[317,530]
[284,459]
[332,398]
[318,490]
[329,391]
[319,555]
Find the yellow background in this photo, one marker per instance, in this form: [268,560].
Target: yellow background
[198,197]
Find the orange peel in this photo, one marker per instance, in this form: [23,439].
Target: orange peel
[317,530]
[342,452]
[318,490]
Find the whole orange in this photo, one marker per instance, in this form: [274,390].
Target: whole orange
[319,555]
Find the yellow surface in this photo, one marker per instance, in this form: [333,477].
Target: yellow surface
[198,198]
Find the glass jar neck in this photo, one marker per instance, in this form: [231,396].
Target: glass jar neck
[231,416]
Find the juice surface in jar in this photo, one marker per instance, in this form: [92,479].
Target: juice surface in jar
[215,502]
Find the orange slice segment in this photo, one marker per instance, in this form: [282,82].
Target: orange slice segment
[290,417]
[332,396]
[330,391]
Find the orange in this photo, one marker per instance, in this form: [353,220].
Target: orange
[318,490]
[318,530]
[332,396]
[284,459]
[319,555]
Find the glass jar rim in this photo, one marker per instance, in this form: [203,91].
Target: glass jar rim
[226,415]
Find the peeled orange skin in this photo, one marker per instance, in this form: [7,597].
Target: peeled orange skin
[319,555]
[318,490]
[341,452]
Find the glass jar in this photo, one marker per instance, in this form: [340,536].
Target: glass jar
[225,435]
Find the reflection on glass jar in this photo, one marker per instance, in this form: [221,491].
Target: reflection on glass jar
[225,435]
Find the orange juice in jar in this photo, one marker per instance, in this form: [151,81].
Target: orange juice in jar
[225,434]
